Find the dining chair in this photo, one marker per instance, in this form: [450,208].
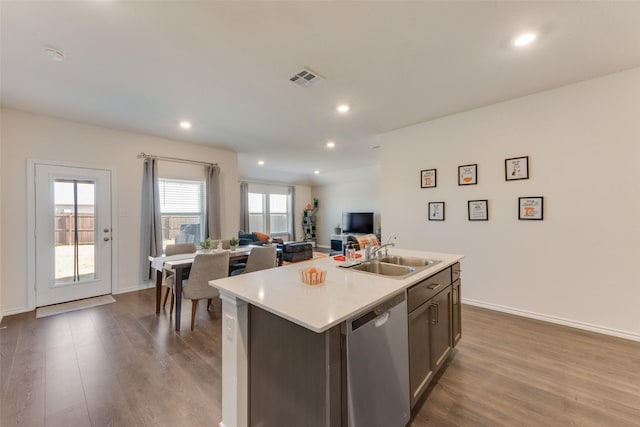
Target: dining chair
[205,267]
[168,278]
[260,258]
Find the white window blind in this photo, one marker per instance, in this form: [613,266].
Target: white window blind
[182,210]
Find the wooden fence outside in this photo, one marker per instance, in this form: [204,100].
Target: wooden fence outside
[64,229]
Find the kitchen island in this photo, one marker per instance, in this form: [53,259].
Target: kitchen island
[284,338]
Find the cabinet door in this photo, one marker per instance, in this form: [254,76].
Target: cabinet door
[456,313]
[440,328]
[420,372]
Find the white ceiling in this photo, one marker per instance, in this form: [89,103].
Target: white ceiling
[145,65]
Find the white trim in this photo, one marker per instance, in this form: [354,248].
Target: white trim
[134,288]
[31,221]
[557,320]
[19,310]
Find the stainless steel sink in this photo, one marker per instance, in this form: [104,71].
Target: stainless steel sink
[383,269]
[408,261]
[394,266]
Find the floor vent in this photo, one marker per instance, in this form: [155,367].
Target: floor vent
[305,77]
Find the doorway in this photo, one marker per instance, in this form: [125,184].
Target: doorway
[73,233]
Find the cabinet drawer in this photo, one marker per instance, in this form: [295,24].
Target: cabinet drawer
[455,272]
[423,291]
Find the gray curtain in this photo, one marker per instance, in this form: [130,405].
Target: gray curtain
[292,213]
[244,207]
[212,223]
[151,224]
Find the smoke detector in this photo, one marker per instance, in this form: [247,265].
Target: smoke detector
[306,77]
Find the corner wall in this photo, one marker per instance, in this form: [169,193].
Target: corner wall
[353,190]
[29,136]
[579,266]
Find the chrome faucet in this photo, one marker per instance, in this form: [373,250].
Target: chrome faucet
[374,251]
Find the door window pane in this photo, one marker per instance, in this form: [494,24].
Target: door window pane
[74,231]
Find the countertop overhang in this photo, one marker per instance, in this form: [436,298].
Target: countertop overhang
[344,294]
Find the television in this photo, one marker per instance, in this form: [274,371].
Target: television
[357,222]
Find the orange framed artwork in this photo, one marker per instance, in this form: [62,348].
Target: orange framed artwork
[428,178]
[530,208]
[468,174]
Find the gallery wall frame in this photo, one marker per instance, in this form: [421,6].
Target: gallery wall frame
[516,168]
[428,178]
[478,210]
[436,211]
[531,208]
[468,174]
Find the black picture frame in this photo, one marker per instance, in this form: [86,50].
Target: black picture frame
[531,208]
[468,174]
[478,210]
[428,178]
[516,168]
[435,211]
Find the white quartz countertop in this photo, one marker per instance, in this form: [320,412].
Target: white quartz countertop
[344,293]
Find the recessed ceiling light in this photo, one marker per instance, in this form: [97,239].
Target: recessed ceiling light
[261,162]
[185,125]
[331,144]
[316,172]
[54,54]
[343,108]
[524,39]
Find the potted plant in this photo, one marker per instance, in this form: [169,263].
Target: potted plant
[337,229]
[233,243]
[207,244]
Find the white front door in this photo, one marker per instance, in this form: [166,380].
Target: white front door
[73,233]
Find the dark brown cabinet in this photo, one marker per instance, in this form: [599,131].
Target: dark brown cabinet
[430,328]
[456,309]
[420,371]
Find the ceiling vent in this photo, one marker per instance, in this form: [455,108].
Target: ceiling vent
[305,78]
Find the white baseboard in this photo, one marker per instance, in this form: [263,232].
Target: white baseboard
[16,311]
[140,287]
[557,320]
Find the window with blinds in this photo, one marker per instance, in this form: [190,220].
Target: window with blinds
[269,212]
[182,210]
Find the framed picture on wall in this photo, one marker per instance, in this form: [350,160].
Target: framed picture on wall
[428,178]
[516,168]
[530,208]
[468,174]
[478,210]
[436,211]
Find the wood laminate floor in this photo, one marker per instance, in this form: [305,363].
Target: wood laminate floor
[121,365]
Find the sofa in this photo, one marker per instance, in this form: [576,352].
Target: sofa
[255,238]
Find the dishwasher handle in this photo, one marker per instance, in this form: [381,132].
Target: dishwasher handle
[381,320]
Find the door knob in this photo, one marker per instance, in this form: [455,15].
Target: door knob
[106,230]
[106,239]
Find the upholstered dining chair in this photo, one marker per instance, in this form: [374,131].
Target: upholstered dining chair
[260,258]
[168,278]
[205,267]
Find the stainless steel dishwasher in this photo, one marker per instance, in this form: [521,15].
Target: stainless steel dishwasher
[378,366]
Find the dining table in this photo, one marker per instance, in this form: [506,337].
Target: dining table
[181,263]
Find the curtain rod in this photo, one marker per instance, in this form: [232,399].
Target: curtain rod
[174,159]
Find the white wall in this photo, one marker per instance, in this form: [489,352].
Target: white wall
[578,266]
[353,190]
[28,136]
[1,192]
